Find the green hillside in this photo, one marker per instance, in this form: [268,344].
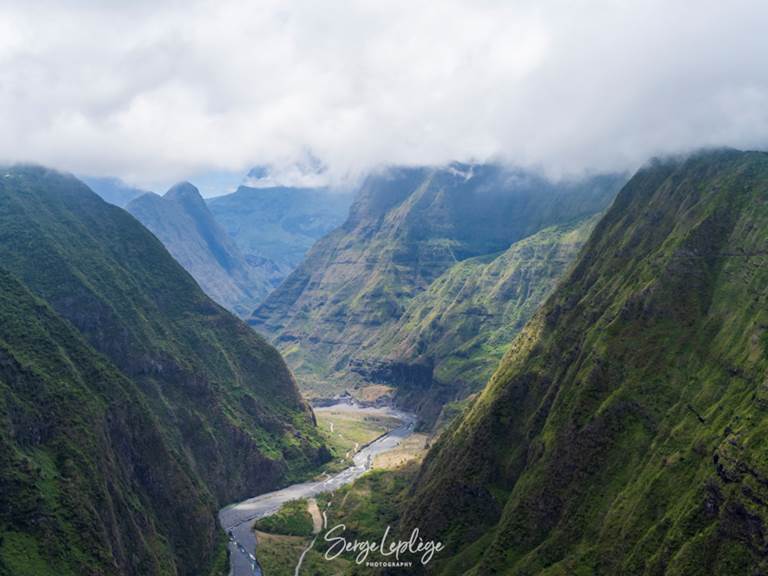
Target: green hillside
[460,326]
[75,438]
[132,406]
[407,227]
[625,430]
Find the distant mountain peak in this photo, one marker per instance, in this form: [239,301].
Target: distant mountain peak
[183,190]
[278,225]
[182,221]
[144,197]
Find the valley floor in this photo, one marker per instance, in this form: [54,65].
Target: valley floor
[362,438]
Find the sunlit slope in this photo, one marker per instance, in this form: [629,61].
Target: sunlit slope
[625,431]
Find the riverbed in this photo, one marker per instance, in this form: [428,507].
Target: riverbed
[238,519]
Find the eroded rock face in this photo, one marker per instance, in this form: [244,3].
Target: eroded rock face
[461,325]
[406,228]
[624,431]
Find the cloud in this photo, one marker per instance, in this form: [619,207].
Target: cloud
[157,91]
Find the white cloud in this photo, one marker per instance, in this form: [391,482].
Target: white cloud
[156,91]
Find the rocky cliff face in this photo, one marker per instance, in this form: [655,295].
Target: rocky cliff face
[182,222]
[131,405]
[406,228]
[624,431]
[458,329]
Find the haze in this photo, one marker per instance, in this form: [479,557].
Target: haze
[156,92]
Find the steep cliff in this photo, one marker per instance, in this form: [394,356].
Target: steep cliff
[131,405]
[455,332]
[406,228]
[625,430]
[182,222]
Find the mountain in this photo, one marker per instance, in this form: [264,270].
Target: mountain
[625,430]
[406,228]
[131,405]
[113,190]
[183,223]
[276,225]
[459,327]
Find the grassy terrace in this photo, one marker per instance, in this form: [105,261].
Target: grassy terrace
[293,519]
[365,507]
[346,431]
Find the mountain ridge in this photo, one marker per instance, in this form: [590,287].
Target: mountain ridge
[622,431]
[277,225]
[181,220]
[406,227]
[455,332]
[131,405]
[113,190]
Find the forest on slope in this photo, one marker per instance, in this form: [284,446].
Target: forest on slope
[132,406]
[624,431]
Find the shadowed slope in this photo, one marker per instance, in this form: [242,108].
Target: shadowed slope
[185,226]
[160,408]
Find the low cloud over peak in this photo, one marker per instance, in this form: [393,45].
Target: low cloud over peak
[162,91]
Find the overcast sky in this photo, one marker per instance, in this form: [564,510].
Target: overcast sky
[157,91]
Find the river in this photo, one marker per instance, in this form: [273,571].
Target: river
[237,519]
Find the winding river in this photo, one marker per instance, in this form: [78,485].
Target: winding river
[237,519]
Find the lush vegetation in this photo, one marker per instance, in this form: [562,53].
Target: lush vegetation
[371,503]
[625,430]
[462,324]
[279,553]
[346,431]
[406,228]
[131,405]
[366,507]
[292,519]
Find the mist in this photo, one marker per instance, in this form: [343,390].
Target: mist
[161,91]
